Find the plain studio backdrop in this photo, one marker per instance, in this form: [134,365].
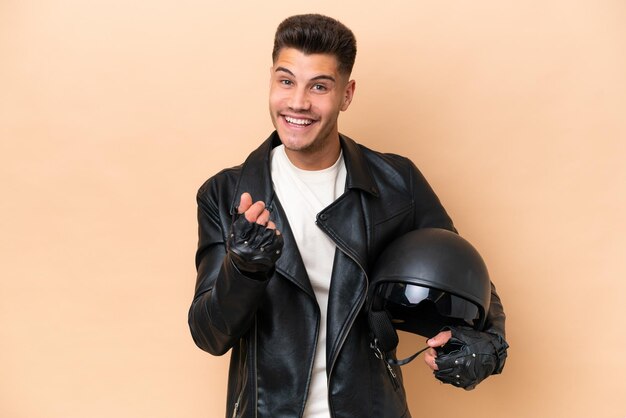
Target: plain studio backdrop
[112,113]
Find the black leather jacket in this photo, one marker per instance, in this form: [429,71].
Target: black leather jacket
[271,326]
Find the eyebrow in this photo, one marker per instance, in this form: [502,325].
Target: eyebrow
[319,77]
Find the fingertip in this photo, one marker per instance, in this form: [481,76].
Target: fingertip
[245,201]
[263,218]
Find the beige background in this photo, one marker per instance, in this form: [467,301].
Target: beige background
[112,113]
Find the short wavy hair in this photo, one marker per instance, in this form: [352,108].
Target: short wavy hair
[317,34]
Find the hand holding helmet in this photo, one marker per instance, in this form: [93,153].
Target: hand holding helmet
[469,357]
[431,280]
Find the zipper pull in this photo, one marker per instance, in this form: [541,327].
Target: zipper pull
[236,409]
[392,374]
[379,355]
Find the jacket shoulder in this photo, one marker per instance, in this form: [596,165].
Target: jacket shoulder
[226,176]
[392,160]
[389,168]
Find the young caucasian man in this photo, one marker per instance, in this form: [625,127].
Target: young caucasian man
[288,238]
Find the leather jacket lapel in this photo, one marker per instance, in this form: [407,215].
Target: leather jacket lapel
[347,222]
[255,175]
[256,179]
[290,263]
[343,222]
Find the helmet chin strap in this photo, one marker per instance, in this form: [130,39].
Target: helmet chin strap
[385,338]
[382,356]
[408,359]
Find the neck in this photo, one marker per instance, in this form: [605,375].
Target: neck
[315,159]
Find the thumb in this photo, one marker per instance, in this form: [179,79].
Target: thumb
[245,201]
[439,339]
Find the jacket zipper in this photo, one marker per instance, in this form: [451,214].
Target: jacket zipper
[345,335]
[392,374]
[381,356]
[236,407]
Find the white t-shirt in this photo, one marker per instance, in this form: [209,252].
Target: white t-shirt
[303,194]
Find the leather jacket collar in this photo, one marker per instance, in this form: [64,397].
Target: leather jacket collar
[256,179]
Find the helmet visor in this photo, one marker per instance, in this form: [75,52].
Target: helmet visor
[424,311]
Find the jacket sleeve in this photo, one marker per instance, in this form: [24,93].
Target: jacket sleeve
[225,300]
[495,316]
[431,213]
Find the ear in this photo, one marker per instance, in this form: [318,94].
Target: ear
[348,94]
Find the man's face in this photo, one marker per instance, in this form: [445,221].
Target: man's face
[307,92]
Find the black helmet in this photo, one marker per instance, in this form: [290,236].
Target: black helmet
[427,279]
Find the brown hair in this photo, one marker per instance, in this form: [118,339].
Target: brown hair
[317,34]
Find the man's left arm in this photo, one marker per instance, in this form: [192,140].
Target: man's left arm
[463,356]
[496,318]
[430,213]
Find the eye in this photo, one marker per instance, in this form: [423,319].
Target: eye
[319,87]
[285,82]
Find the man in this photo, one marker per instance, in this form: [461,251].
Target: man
[287,239]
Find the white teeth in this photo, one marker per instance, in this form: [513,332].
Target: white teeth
[295,121]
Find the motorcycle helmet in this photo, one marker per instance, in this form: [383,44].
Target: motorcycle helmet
[425,280]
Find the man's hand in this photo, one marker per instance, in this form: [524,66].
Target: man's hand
[466,357]
[255,212]
[254,243]
[438,340]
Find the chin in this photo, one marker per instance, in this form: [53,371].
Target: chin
[295,142]
[296,145]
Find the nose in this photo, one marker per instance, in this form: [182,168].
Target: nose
[299,100]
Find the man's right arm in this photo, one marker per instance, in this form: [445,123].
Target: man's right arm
[226,297]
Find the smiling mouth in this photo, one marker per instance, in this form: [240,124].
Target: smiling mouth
[298,121]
